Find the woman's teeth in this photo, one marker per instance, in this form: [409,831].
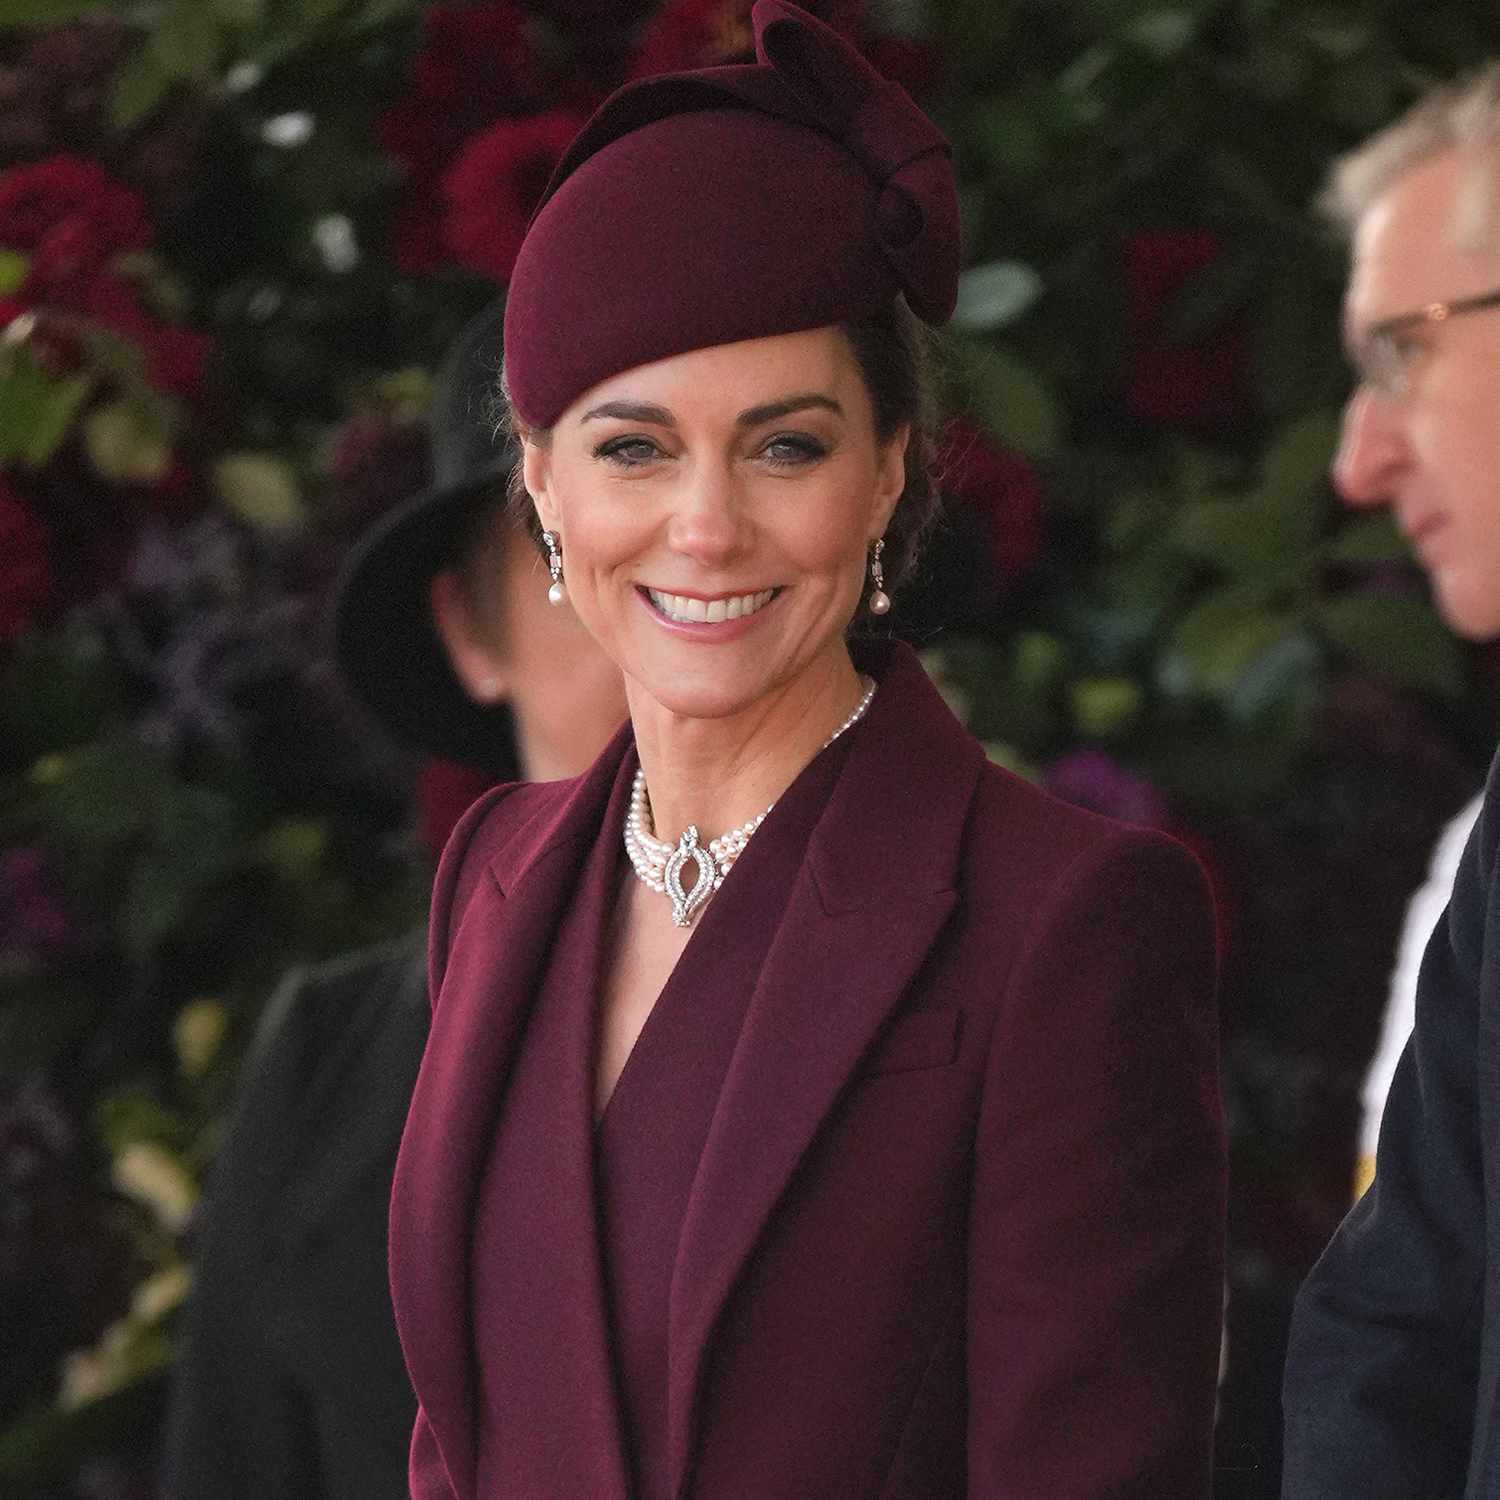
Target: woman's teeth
[710,611]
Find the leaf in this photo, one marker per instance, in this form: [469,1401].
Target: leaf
[188,42]
[1369,540]
[140,84]
[1398,636]
[1216,643]
[1104,707]
[1162,33]
[40,1016]
[13,268]
[1011,400]
[45,12]
[54,418]
[1293,491]
[260,489]
[24,392]
[994,294]
[122,449]
[1234,536]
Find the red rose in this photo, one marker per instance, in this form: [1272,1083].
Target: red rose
[707,33]
[1001,491]
[494,185]
[1197,385]
[476,58]
[177,359]
[28,587]
[38,197]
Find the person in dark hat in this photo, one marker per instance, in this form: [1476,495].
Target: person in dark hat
[289,1380]
[811,1109]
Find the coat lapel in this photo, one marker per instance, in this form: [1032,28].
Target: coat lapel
[478,1019]
[877,887]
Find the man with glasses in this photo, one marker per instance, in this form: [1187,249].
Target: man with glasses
[1393,1374]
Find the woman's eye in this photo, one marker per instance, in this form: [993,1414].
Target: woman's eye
[790,450]
[627,452]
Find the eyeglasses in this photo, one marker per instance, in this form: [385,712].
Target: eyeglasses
[1382,359]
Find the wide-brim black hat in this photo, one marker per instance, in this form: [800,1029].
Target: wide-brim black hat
[384,638]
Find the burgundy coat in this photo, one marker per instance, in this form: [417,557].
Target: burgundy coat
[957,1229]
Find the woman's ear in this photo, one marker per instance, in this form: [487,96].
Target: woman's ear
[536,471]
[890,479]
[481,670]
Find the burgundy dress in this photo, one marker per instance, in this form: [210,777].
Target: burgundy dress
[634,1170]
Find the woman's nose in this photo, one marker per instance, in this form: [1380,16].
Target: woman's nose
[1372,450]
[708,524]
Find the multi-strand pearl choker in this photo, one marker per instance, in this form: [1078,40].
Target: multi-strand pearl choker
[659,864]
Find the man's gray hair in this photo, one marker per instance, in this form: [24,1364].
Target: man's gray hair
[1459,114]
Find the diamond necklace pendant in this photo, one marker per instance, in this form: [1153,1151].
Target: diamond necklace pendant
[686,903]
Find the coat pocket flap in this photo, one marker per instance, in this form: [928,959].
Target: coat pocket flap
[924,1039]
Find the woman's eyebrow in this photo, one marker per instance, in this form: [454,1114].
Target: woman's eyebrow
[773,410]
[659,416]
[631,411]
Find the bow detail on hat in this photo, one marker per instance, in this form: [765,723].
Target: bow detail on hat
[839,92]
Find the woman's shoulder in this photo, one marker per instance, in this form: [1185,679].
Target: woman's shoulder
[1019,833]
[497,833]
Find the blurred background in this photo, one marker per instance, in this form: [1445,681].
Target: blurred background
[235,239]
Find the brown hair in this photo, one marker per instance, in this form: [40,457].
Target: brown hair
[893,351]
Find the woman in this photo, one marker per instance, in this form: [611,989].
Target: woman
[811,1109]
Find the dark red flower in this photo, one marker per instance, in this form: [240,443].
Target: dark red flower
[707,33]
[477,64]
[1192,385]
[34,918]
[494,185]
[28,586]
[1001,491]
[376,462]
[574,13]
[445,791]
[1092,779]
[177,359]
[477,59]
[36,198]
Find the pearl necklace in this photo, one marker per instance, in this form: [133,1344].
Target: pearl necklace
[659,865]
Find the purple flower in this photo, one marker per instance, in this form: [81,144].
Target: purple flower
[34,921]
[1090,778]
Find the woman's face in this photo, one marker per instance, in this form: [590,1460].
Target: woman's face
[716,511]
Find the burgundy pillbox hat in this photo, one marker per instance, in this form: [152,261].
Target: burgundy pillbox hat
[730,203]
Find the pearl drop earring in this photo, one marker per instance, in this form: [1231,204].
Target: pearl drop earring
[880,601]
[558,592]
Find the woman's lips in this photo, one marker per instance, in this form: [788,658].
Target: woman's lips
[719,618]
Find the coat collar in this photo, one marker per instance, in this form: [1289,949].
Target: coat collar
[887,842]
[479,1016]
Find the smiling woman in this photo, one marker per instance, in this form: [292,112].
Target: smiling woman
[811,1107]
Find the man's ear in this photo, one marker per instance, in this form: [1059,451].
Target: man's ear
[481,671]
[536,471]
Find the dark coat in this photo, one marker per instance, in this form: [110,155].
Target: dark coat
[290,1382]
[1393,1372]
[970,1135]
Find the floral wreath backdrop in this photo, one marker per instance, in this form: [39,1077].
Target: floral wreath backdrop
[235,237]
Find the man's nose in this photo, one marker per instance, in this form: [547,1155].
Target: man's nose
[1372,450]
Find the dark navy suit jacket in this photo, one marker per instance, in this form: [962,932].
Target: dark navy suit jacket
[289,1382]
[1394,1361]
[972,1119]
